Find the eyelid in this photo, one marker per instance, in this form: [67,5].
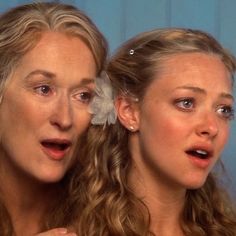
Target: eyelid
[229,115]
[178,102]
[40,86]
[84,90]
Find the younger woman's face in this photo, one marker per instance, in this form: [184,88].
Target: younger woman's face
[44,109]
[184,120]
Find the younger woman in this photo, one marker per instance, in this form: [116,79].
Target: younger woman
[151,172]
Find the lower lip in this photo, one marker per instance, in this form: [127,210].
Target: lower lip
[54,154]
[200,163]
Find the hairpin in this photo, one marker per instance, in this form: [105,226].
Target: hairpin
[131,51]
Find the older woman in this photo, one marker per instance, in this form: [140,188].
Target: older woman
[50,54]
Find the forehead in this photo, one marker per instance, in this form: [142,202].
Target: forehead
[198,69]
[189,61]
[53,47]
[192,63]
[67,60]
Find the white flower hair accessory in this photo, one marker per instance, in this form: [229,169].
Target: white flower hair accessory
[102,105]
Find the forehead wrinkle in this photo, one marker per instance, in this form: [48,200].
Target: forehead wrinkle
[50,75]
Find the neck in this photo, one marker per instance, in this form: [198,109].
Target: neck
[164,200]
[164,204]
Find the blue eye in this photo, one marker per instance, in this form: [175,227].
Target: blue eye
[43,90]
[185,103]
[226,112]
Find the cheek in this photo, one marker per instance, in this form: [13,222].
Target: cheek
[14,113]
[30,114]
[223,136]
[161,130]
[82,121]
[170,127]
[22,117]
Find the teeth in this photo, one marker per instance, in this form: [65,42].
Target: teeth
[201,152]
[198,153]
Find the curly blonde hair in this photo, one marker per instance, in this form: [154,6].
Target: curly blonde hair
[108,205]
[20,30]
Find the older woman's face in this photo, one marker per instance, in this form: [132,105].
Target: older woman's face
[44,109]
[184,120]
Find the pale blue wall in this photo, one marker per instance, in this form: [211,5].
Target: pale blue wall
[121,19]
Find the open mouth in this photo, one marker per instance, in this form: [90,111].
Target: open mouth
[199,153]
[58,145]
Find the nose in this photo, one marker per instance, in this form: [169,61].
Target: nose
[208,125]
[62,113]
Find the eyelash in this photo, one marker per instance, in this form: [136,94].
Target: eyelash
[183,103]
[39,90]
[46,90]
[84,96]
[225,111]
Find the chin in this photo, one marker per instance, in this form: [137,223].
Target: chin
[49,177]
[196,184]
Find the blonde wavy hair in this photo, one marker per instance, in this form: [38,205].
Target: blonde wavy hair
[108,205]
[20,30]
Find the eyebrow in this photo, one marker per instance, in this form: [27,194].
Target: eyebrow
[51,75]
[202,91]
[47,74]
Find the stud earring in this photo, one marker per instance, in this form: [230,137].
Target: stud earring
[131,128]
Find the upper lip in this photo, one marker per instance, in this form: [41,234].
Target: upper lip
[208,149]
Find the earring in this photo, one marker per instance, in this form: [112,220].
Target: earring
[131,128]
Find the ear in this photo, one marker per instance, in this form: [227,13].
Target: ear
[128,112]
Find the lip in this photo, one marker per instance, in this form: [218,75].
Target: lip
[53,151]
[197,161]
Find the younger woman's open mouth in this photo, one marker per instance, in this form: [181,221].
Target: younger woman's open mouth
[200,157]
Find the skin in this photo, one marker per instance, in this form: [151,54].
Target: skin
[46,98]
[188,105]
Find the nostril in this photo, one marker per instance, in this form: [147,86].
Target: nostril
[204,132]
[63,125]
[62,112]
[208,129]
